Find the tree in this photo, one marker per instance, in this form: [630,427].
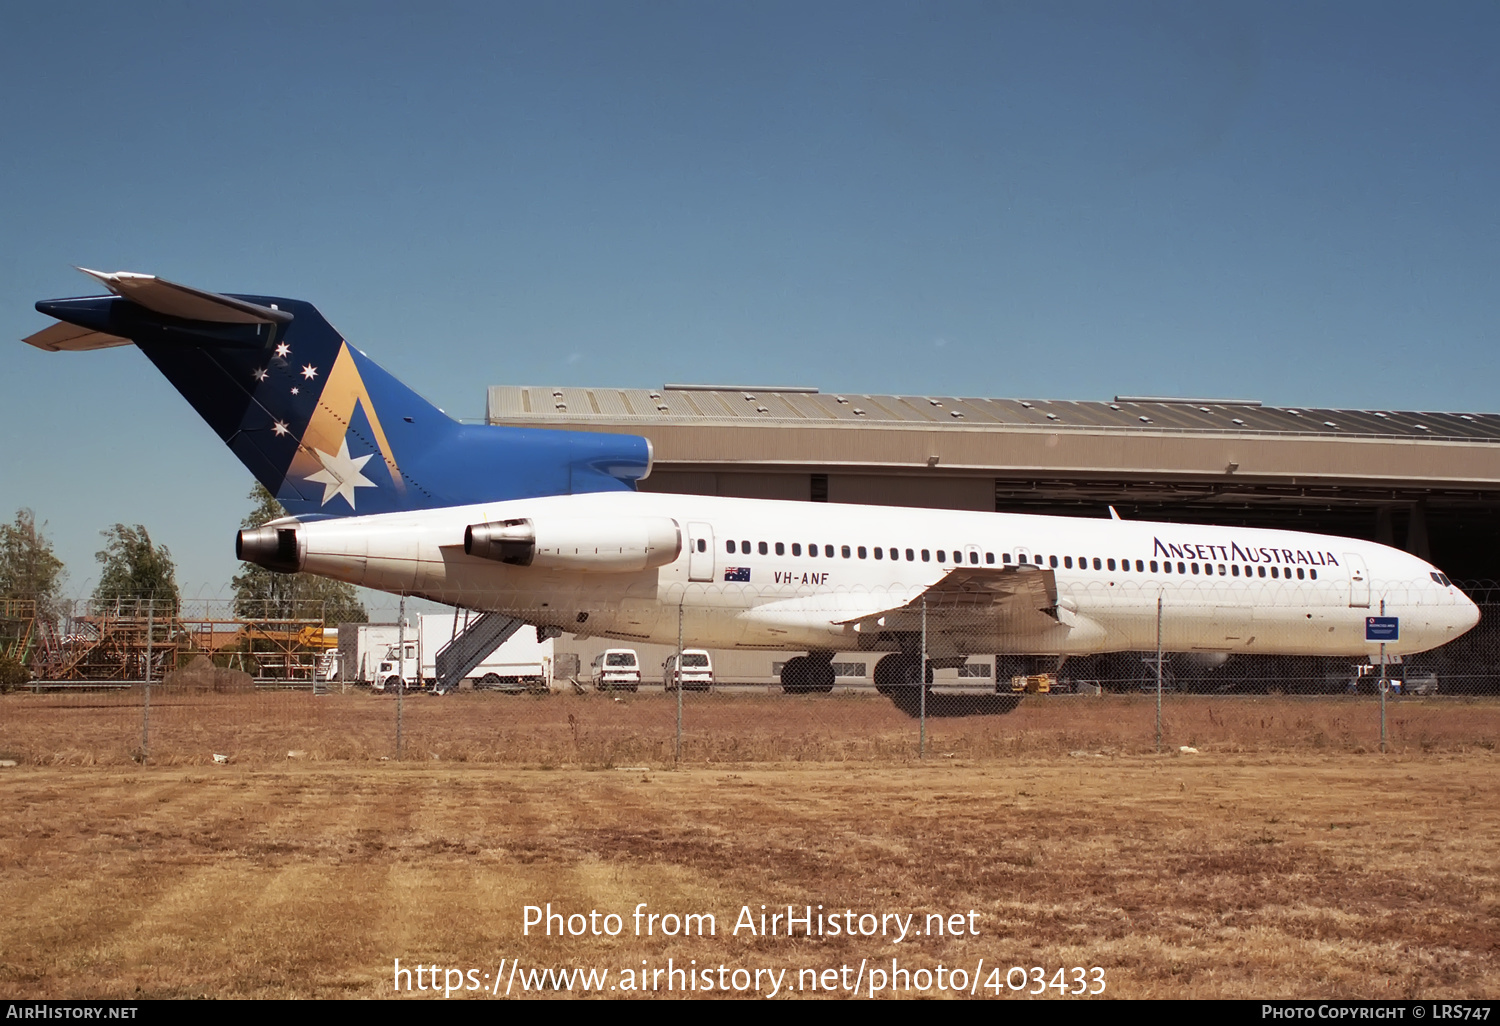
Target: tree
[263,594]
[135,569]
[28,567]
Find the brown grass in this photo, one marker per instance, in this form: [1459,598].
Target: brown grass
[189,726]
[1210,876]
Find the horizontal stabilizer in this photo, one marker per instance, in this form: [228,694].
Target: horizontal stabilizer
[166,297]
[70,338]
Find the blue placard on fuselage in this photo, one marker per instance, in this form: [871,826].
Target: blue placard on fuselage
[1383,628]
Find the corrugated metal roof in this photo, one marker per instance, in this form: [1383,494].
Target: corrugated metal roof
[513,403]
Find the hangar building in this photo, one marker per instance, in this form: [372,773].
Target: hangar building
[1426,481]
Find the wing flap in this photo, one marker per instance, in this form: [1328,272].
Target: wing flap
[1011,599]
[71,338]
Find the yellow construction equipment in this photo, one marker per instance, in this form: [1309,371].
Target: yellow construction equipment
[1035,684]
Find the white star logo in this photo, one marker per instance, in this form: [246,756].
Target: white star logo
[341,474]
[283,350]
[295,391]
[309,372]
[261,375]
[279,427]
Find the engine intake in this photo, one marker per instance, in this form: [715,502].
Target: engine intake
[275,547]
[610,546]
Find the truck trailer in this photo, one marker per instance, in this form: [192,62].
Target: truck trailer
[371,656]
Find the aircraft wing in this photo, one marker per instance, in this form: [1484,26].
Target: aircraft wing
[1009,599]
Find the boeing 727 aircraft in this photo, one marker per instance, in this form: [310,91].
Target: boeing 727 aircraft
[547,528]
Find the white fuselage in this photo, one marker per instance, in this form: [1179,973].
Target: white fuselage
[745,578]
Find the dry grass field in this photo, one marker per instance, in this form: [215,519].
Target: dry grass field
[1288,858]
[1338,876]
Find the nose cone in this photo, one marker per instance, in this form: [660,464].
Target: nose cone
[1468,614]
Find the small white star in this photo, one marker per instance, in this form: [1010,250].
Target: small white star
[295,391]
[279,427]
[260,375]
[283,350]
[309,372]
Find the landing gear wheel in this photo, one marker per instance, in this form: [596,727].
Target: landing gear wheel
[897,676]
[796,675]
[822,677]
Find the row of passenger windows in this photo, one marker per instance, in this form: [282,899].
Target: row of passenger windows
[1054,562]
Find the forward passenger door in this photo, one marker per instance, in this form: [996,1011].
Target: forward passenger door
[700,552]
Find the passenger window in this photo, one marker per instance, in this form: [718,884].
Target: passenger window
[1275,572]
[1236,569]
[1067,562]
[780,549]
[812,550]
[1005,558]
[1299,573]
[1313,574]
[762,548]
[1110,563]
[1097,564]
[864,553]
[974,557]
[911,557]
[1140,566]
[796,548]
[702,545]
[1153,566]
[828,551]
[1208,568]
[1195,567]
[1222,571]
[1166,568]
[1052,562]
[942,556]
[926,556]
[729,547]
[845,550]
[1261,571]
[878,554]
[745,547]
[989,557]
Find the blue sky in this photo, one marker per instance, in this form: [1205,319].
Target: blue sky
[1290,202]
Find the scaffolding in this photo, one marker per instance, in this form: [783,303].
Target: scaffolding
[17,629]
[121,641]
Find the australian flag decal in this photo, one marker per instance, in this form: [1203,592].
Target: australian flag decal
[737,573]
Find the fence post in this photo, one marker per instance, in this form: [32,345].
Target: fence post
[677,672]
[922,684]
[1384,685]
[1158,673]
[400,674]
[146,701]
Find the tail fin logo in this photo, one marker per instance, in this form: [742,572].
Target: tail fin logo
[323,456]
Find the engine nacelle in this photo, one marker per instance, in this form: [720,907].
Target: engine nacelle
[611,546]
[276,546]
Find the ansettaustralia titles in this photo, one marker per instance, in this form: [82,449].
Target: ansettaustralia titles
[749,921]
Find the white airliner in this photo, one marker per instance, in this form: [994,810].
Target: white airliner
[806,577]
[547,527]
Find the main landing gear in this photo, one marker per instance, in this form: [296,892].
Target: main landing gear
[809,674]
[899,677]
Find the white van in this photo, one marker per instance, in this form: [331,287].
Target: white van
[616,669]
[697,671]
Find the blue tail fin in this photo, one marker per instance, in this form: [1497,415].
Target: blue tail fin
[324,428]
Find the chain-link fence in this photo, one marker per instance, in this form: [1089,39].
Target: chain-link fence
[197,683]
